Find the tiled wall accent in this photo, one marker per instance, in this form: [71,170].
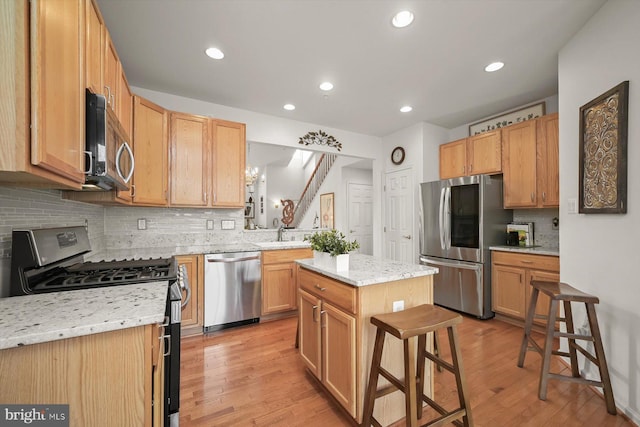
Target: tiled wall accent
[170,227]
[542,219]
[28,208]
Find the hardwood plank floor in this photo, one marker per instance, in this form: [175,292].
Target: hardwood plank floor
[253,376]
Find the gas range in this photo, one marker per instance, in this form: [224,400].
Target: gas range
[52,260]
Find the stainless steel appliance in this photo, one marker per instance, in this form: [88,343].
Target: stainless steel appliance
[459,219]
[52,260]
[109,157]
[231,289]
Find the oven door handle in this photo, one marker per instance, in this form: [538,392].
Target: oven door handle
[184,284]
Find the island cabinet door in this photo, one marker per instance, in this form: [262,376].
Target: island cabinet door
[309,343]
[339,356]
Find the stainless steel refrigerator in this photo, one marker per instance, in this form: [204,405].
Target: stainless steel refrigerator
[459,219]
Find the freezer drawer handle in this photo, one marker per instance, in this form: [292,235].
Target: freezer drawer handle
[448,264]
[249,258]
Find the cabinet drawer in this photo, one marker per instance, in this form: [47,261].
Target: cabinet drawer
[538,262]
[285,255]
[341,295]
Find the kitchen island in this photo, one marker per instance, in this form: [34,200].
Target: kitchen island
[336,336]
[97,350]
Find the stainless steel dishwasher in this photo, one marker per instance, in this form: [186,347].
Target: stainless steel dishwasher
[232,289]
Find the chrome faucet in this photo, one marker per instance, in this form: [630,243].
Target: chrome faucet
[280,231]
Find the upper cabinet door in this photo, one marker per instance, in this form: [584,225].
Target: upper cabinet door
[228,160]
[189,160]
[484,153]
[150,151]
[519,165]
[95,48]
[548,161]
[58,87]
[453,159]
[111,73]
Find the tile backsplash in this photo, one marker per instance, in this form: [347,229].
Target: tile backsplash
[544,233]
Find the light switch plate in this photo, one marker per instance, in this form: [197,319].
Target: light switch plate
[142,224]
[209,224]
[228,224]
[572,206]
[398,305]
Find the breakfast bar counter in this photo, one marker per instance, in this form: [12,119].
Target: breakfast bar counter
[336,336]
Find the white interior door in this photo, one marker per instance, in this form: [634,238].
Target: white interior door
[360,225]
[399,216]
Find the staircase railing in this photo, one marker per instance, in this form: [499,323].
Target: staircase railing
[313,186]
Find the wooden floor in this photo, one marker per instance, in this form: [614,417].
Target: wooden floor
[253,376]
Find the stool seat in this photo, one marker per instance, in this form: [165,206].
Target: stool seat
[415,321]
[563,293]
[412,326]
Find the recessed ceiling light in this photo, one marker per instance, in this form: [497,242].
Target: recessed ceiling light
[406,109]
[494,66]
[289,107]
[402,19]
[326,86]
[214,52]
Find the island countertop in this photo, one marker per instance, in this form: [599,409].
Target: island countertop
[33,319]
[368,270]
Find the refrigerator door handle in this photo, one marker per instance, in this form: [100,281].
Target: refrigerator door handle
[447,218]
[441,228]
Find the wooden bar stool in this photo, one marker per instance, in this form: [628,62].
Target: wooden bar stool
[559,291]
[413,325]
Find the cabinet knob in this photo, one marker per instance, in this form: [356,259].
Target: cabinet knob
[544,196]
[320,288]
[533,196]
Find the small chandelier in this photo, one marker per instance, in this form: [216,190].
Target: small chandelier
[250,175]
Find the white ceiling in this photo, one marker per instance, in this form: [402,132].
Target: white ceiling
[279,51]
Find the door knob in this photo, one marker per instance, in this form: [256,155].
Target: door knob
[352,231]
[408,237]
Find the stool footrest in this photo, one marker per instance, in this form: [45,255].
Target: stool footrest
[585,353]
[580,380]
[573,336]
[447,418]
[395,382]
[441,363]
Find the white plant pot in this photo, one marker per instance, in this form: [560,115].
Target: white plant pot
[342,262]
[322,259]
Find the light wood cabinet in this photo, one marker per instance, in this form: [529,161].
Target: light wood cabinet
[228,164]
[453,159]
[548,164]
[150,135]
[189,154]
[279,279]
[95,48]
[511,274]
[336,336]
[193,312]
[207,162]
[478,154]
[530,163]
[111,73]
[58,87]
[121,369]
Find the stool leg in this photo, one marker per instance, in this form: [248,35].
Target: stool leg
[602,361]
[374,372]
[573,356]
[548,344]
[420,368]
[410,381]
[436,348]
[527,327]
[461,382]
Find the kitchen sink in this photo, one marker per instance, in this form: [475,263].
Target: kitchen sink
[283,245]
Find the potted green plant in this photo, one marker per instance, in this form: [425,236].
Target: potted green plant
[331,248]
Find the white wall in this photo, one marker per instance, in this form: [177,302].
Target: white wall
[599,253]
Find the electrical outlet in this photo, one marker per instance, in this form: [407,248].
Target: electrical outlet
[209,224]
[142,224]
[398,305]
[228,224]
[555,223]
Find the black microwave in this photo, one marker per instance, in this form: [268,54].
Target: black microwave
[109,161]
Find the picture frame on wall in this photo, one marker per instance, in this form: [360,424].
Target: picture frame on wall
[603,152]
[326,210]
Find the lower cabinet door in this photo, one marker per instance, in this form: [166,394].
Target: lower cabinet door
[508,293]
[339,356]
[278,288]
[309,333]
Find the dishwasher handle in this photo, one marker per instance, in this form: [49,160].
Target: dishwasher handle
[228,260]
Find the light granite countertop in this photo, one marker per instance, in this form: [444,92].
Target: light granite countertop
[533,250]
[32,319]
[368,270]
